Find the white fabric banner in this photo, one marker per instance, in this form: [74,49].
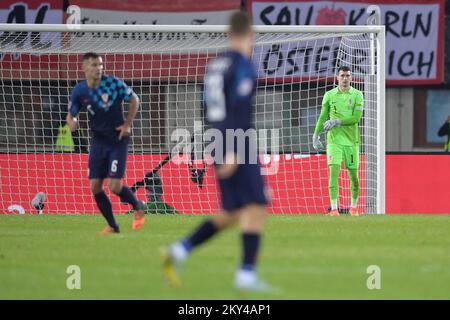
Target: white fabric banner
[97,16]
[414,48]
[31,11]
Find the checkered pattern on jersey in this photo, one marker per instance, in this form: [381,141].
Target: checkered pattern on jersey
[109,90]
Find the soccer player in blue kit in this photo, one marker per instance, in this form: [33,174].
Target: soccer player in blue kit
[230,86]
[102,96]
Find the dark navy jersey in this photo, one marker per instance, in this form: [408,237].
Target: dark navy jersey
[103,104]
[230,86]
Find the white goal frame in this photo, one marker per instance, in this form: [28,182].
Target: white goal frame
[378,63]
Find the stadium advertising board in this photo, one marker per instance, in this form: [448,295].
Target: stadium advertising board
[408,190]
[414,35]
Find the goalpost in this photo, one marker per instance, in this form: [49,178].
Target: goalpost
[165,65]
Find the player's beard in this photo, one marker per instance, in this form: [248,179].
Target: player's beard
[345,86]
[98,75]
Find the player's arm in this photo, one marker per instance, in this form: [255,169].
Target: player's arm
[72,122]
[229,164]
[74,108]
[357,112]
[128,96]
[133,108]
[324,114]
[241,97]
[222,118]
[351,120]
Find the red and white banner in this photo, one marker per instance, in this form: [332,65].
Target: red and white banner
[31,11]
[414,31]
[16,65]
[34,66]
[180,12]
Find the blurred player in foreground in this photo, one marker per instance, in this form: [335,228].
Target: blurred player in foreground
[102,96]
[230,85]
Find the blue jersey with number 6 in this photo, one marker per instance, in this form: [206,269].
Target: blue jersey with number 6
[104,106]
[107,155]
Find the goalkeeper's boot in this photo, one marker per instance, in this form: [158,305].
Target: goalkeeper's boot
[139,216]
[170,266]
[354,212]
[108,230]
[334,213]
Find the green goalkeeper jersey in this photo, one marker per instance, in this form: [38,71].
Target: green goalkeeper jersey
[346,106]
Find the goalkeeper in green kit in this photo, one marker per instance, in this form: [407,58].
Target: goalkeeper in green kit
[342,109]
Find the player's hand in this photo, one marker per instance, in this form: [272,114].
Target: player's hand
[125,131]
[72,123]
[317,144]
[226,170]
[229,167]
[330,124]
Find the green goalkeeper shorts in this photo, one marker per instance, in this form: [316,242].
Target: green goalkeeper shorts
[350,154]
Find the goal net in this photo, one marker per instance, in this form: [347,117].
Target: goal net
[165,65]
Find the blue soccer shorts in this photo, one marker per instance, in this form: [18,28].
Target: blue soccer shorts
[245,187]
[108,160]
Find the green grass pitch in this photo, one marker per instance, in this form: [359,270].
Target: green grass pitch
[303,256]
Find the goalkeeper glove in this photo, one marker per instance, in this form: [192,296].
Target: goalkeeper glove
[317,144]
[330,124]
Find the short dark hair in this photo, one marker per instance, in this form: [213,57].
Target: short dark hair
[89,55]
[240,23]
[344,68]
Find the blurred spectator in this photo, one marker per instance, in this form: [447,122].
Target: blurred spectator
[445,131]
[64,139]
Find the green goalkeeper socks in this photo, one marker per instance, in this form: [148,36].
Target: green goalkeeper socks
[333,186]
[354,186]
